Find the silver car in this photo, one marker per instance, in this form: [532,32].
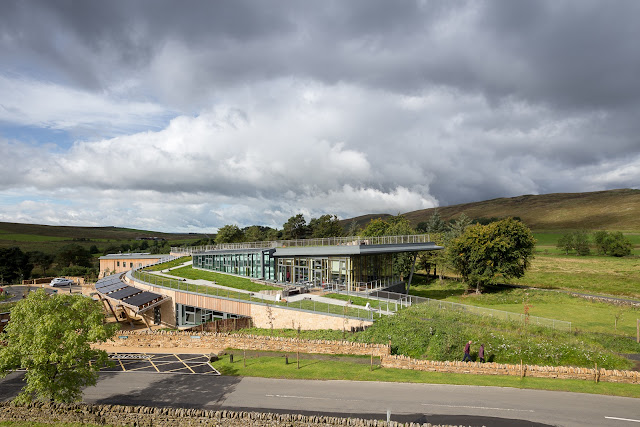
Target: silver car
[61,281]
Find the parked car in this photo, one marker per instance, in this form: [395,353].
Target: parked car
[61,281]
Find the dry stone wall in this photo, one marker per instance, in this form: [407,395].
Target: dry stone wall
[209,341]
[143,416]
[562,372]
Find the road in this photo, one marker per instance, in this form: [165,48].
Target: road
[450,404]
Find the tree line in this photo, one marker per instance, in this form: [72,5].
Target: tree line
[606,243]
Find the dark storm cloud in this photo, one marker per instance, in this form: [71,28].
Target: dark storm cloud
[390,105]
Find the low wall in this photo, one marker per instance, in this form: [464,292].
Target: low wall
[212,340]
[562,372]
[143,416]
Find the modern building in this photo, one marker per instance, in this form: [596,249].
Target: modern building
[336,264]
[119,263]
[354,263]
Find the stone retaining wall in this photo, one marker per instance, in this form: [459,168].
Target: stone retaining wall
[563,372]
[209,341]
[213,340]
[147,416]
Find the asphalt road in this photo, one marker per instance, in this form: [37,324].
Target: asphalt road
[448,404]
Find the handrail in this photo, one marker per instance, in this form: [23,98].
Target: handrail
[327,241]
[351,312]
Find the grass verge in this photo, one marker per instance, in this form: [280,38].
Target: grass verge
[313,369]
[188,272]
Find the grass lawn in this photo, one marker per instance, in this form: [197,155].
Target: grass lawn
[221,279]
[589,274]
[274,367]
[584,315]
[169,264]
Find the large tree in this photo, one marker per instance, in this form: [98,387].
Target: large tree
[295,228]
[484,254]
[49,336]
[403,263]
[41,260]
[74,254]
[14,265]
[229,234]
[326,226]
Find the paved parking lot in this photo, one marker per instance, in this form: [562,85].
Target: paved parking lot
[161,363]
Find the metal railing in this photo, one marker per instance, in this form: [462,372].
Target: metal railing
[352,312]
[327,241]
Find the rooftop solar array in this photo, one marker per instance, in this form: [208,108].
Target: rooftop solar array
[144,298]
[114,288]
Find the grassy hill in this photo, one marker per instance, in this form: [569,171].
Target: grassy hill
[49,238]
[607,210]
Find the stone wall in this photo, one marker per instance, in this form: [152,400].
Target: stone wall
[562,372]
[209,341]
[143,416]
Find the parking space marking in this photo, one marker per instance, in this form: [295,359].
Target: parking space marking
[178,357]
[189,364]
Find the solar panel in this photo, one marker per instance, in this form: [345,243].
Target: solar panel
[124,293]
[143,298]
[111,288]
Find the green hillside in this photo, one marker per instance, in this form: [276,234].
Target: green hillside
[50,238]
[606,210]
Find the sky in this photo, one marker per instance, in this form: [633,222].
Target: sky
[186,116]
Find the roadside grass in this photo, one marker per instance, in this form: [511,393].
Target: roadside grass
[169,264]
[313,369]
[188,272]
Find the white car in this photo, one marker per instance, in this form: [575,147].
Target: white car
[61,281]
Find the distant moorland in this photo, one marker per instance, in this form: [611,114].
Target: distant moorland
[615,210]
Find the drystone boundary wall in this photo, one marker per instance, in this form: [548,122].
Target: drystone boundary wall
[143,416]
[562,372]
[220,340]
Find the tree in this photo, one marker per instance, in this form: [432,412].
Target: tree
[565,243]
[581,243]
[403,263]
[14,265]
[41,260]
[229,234]
[253,233]
[74,255]
[618,245]
[614,244]
[435,223]
[50,337]
[326,226]
[485,253]
[295,228]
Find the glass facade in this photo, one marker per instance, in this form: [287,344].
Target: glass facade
[256,264]
[187,315]
[351,270]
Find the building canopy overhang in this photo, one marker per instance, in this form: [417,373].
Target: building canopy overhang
[356,249]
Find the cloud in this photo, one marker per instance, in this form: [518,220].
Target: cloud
[237,113]
[26,102]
